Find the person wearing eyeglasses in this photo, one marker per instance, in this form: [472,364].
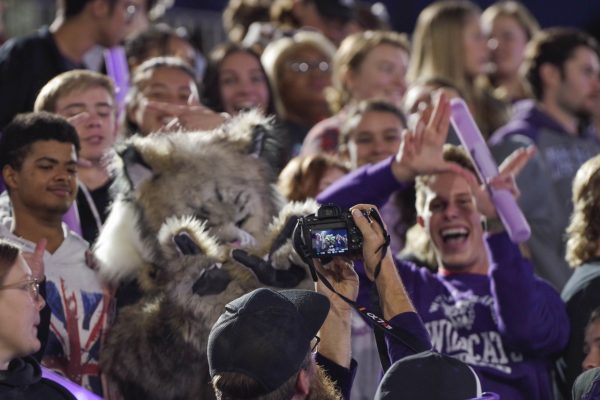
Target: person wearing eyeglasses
[27,63]
[20,306]
[298,68]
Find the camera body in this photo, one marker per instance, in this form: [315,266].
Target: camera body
[328,233]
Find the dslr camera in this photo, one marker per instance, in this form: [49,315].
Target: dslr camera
[328,233]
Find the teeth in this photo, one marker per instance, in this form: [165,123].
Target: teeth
[454,233]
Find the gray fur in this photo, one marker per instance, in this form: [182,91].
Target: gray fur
[212,187]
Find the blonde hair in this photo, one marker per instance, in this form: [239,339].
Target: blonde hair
[349,57]
[515,10]
[584,229]
[69,82]
[277,53]
[438,53]
[300,178]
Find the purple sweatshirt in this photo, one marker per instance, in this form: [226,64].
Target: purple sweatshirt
[508,325]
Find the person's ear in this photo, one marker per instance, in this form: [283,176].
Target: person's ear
[550,75]
[9,175]
[484,223]
[348,79]
[420,221]
[302,384]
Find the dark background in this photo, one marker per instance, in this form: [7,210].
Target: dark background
[584,14]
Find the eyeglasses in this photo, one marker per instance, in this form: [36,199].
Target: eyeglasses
[314,343]
[32,284]
[307,66]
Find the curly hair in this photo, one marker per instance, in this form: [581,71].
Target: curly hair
[584,229]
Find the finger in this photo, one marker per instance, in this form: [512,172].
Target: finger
[363,223]
[79,119]
[84,163]
[40,249]
[505,182]
[517,160]
[440,119]
[174,109]
[419,136]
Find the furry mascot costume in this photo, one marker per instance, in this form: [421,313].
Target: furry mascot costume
[182,202]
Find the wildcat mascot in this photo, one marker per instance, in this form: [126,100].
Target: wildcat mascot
[195,223]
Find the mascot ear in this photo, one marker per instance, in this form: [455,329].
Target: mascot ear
[136,169]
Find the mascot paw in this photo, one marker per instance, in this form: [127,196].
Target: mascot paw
[267,274]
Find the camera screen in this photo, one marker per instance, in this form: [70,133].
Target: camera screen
[330,241]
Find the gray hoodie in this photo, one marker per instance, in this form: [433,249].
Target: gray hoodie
[546,182]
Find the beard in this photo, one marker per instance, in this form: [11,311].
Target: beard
[322,387]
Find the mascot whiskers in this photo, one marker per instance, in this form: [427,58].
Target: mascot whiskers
[196,221]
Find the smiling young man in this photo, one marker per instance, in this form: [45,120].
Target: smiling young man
[484,307]
[38,158]
[87,100]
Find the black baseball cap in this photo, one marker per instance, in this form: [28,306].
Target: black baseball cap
[266,334]
[429,375]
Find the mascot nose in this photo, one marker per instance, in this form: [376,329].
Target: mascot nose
[212,280]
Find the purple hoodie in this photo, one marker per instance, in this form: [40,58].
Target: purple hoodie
[508,325]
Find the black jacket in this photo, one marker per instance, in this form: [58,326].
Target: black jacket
[26,65]
[23,381]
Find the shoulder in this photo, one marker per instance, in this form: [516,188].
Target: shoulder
[25,45]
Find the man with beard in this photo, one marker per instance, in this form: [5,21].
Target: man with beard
[561,67]
[38,158]
[261,346]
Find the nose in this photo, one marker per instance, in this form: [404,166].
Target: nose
[451,210]
[592,360]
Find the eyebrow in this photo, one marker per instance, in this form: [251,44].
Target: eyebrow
[82,105]
[55,161]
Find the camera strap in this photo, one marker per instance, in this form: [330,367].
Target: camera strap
[376,321]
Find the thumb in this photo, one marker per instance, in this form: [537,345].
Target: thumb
[40,248]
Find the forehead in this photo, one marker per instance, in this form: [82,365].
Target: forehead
[377,120]
[593,329]
[168,75]
[583,55]
[304,52]
[92,94]
[388,51]
[240,60]
[447,185]
[54,149]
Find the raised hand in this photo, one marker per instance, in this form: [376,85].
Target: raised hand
[35,260]
[188,117]
[421,151]
[505,180]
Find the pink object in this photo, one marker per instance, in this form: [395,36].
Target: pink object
[76,390]
[470,136]
[116,67]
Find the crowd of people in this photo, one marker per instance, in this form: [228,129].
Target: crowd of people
[362,117]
